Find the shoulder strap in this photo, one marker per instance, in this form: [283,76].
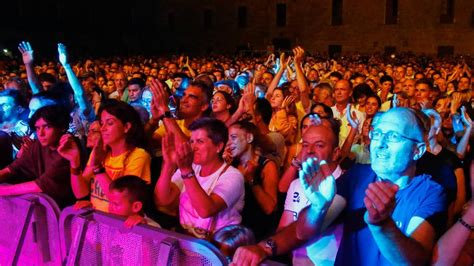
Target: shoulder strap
[214,183]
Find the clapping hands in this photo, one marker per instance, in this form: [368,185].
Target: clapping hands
[318,183]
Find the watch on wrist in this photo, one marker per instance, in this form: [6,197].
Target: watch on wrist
[167,114]
[98,171]
[296,163]
[269,243]
[188,175]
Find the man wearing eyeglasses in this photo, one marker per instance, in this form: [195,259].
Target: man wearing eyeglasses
[392,216]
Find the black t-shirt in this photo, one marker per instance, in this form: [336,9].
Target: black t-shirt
[440,171]
[49,170]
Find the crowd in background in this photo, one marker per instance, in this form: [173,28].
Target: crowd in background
[220,147]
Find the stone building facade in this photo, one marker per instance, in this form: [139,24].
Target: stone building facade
[365,26]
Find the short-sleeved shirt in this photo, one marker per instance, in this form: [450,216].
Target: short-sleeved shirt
[322,249]
[441,173]
[422,197]
[135,162]
[229,186]
[49,170]
[345,127]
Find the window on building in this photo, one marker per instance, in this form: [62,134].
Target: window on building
[391,11]
[171,21]
[389,50]
[445,51]
[208,17]
[334,50]
[281,43]
[281,15]
[242,16]
[336,12]
[472,19]
[447,12]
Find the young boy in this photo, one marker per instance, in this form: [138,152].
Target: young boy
[41,168]
[127,197]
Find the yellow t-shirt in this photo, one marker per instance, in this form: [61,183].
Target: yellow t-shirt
[161,130]
[135,162]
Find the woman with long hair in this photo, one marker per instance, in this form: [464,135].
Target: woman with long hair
[248,148]
[223,106]
[118,151]
[284,118]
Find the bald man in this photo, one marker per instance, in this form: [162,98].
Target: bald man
[392,216]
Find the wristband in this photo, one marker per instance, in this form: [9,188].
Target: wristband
[270,244]
[98,171]
[188,175]
[76,171]
[465,224]
[296,163]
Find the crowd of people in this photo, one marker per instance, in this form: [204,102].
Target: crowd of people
[362,160]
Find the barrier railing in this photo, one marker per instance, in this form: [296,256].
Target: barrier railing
[100,238]
[34,232]
[30,232]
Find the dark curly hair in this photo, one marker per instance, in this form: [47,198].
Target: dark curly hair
[55,115]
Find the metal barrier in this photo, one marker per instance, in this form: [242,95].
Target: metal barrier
[30,233]
[97,238]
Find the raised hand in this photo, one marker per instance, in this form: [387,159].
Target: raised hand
[379,201]
[168,149]
[284,61]
[318,183]
[288,101]
[27,143]
[26,52]
[186,64]
[352,117]
[456,102]
[395,102]
[298,53]
[314,119]
[158,102]
[465,118]
[62,54]
[69,150]
[184,156]
[249,96]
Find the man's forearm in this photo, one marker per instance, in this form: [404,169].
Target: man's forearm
[172,126]
[286,240]
[20,189]
[309,222]
[32,79]
[396,247]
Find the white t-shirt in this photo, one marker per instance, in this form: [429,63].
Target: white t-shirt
[345,127]
[229,186]
[322,249]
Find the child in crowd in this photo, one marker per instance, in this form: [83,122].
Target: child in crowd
[127,197]
[229,238]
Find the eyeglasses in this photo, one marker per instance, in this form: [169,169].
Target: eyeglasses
[391,136]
